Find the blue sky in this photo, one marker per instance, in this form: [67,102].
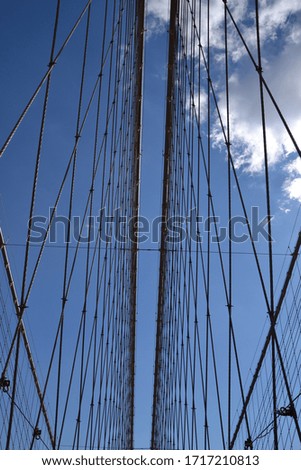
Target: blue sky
[280,37]
[25,35]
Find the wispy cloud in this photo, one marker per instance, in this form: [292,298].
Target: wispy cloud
[292,185]
[280,22]
[157,16]
[159,9]
[281,40]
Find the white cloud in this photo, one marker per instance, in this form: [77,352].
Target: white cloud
[280,22]
[281,39]
[292,185]
[293,188]
[245,112]
[157,16]
[275,15]
[282,75]
[159,9]
[294,167]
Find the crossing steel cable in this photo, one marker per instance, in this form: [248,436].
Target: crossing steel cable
[269,217]
[265,84]
[102,345]
[175,358]
[59,194]
[23,306]
[44,79]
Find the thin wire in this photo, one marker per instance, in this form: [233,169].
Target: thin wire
[44,79]
[31,212]
[230,306]
[25,418]
[266,430]
[124,248]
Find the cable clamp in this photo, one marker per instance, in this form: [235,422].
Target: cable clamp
[259,69]
[22,307]
[37,433]
[4,384]
[248,444]
[287,411]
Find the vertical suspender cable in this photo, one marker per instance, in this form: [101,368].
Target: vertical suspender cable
[139,45]
[270,241]
[31,212]
[206,426]
[174,6]
[229,306]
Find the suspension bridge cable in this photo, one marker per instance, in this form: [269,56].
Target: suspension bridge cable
[268,338]
[167,157]
[269,217]
[257,68]
[44,79]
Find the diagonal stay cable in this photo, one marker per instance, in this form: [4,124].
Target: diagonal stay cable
[45,77]
[248,225]
[99,80]
[257,68]
[268,338]
[23,333]
[32,206]
[25,417]
[268,206]
[213,206]
[58,198]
